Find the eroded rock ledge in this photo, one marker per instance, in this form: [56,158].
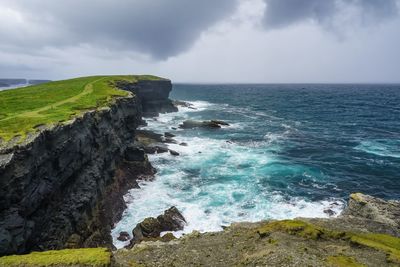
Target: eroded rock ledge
[366,234]
[64,188]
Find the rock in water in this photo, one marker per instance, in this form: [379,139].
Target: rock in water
[178,103]
[220,122]
[171,220]
[190,124]
[123,236]
[167,134]
[173,153]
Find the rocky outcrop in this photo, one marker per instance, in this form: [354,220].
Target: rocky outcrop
[374,209]
[179,103]
[353,239]
[64,187]
[171,220]
[153,95]
[153,143]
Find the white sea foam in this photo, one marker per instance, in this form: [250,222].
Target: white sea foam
[383,148]
[212,182]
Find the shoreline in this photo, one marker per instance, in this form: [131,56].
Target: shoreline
[166,195]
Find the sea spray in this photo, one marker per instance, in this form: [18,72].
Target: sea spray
[217,179]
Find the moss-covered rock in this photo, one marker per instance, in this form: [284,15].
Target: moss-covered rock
[354,239]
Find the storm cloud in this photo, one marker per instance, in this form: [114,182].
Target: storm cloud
[281,13]
[202,41]
[160,28]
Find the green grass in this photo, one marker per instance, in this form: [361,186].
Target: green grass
[382,242]
[66,257]
[388,244]
[343,261]
[23,110]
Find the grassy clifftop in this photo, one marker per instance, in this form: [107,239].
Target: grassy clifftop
[25,110]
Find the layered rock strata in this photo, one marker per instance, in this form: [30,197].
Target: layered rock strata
[64,188]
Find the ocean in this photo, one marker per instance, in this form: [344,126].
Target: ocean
[291,150]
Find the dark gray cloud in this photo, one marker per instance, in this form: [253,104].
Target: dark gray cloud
[161,28]
[281,13]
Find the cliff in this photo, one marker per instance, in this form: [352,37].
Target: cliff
[152,94]
[62,187]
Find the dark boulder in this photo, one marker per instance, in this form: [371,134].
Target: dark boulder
[171,220]
[123,236]
[329,212]
[156,149]
[173,152]
[183,144]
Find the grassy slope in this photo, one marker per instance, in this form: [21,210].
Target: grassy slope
[67,257]
[23,110]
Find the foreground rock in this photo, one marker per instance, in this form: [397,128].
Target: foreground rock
[375,209]
[171,220]
[353,239]
[213,124]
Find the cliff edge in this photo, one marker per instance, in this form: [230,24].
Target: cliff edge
[67,157]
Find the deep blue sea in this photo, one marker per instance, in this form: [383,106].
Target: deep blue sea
[291,150]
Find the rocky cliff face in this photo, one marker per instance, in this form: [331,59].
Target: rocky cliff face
[153,96]
[65,187]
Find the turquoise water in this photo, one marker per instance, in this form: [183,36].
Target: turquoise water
[290,151]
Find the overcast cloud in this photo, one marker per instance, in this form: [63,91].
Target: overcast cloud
[203,41]
[280,13]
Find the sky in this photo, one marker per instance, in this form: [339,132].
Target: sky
[207,41]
